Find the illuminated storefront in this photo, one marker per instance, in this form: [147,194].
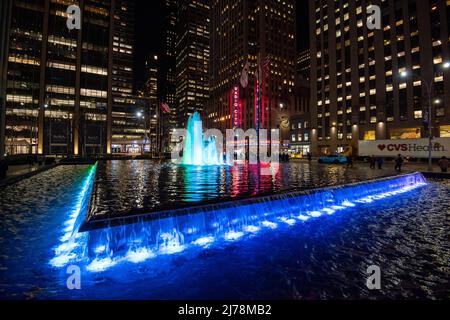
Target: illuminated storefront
[444,131]
[405,133]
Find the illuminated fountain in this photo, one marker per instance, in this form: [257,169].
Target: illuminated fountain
[197,150]
[140,238]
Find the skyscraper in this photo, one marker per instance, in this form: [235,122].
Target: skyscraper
[304,64]
[241,31]
[150,109]
[357,90]
[168,67]
[60,81]
[192,58]
[300,116]
[5,18]
[127,128]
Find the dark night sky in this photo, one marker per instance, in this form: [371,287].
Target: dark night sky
[302,25]
[149,33]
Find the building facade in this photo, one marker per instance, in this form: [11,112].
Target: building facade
[300,118]
[304,64]
[192,58]
[59,94]
[127,128]
[356,87]
[150,111]
[168,67]
[242,31]
[5,19]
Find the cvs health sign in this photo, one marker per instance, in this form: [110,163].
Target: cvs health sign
[415,148]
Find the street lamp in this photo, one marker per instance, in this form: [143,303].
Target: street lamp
[429,87]
[404,74]
[140,115]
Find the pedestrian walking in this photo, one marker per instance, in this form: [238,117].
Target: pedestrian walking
[444,164]
[372,162]
[398,163]
[380,161]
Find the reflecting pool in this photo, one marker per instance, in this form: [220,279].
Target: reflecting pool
[306,254]
[142,186]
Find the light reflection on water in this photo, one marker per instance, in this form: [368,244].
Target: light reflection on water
[406,235]
[146,239]
[144,185]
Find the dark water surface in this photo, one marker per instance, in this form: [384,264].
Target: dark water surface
[124,187]
[324,258]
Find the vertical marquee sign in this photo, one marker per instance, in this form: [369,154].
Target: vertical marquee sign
[256,104]
[236,107]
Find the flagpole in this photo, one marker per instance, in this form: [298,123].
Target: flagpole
[161,147]
[157,128]
[158,123]
[258,107]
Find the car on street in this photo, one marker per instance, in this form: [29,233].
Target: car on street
[334,158]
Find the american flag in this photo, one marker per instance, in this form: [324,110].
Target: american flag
[165,107]
[265,66]
[244,75]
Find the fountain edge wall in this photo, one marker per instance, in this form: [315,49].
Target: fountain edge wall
[92,224]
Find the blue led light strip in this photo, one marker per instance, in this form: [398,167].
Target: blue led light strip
[135,243]
[71,243]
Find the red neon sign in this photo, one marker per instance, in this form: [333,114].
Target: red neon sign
[235,107]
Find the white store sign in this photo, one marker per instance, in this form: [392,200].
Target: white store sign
[415,148]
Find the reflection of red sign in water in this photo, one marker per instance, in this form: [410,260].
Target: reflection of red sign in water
[259,104]
[236,107]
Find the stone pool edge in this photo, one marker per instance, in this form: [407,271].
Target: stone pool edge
[15,179]
[92,224]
